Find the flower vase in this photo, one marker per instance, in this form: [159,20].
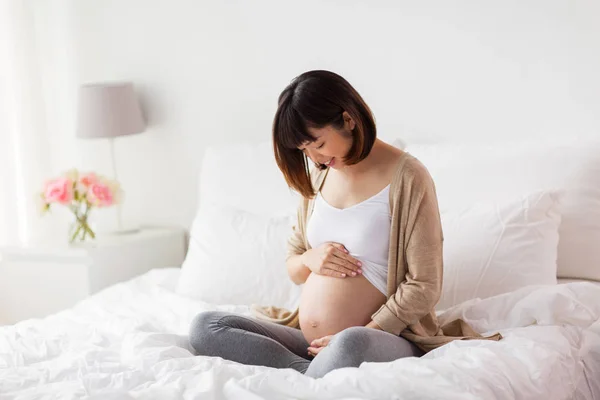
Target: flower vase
[80,229]
[80,193]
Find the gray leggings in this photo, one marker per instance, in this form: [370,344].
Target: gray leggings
[255,342]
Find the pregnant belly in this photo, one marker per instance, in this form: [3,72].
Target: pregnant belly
[329,305]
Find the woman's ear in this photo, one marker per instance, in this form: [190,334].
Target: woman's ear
[349,123]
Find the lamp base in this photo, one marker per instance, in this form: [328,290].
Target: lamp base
[125,231]
[122,231]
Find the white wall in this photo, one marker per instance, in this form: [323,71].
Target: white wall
[210,72]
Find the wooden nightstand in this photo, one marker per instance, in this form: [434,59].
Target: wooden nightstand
[38,280]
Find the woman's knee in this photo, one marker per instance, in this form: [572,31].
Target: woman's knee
[345,349]
[358,344]
[351,343]
[202,328]
[354,337]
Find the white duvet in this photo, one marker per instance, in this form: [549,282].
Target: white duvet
[130,341]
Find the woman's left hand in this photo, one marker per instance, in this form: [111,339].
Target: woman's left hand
[373,324]
[318,344]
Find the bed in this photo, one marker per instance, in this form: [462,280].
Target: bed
[131,339]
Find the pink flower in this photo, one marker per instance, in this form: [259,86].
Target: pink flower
[100,195]
[59,190]
[88,179]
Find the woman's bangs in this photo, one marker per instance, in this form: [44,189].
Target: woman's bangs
[292,132]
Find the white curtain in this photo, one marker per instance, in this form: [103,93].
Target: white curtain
[23,158]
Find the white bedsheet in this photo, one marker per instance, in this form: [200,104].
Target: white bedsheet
[130,341]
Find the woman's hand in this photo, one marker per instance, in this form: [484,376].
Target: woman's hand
[331,259]
[318,344]
[373,324]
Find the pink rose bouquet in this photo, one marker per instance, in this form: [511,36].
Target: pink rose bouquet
[80,192]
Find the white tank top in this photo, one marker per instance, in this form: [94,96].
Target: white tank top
[364,229]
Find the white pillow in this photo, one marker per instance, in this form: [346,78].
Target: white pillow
[236,257]
[238,238]
[466,173]
[245,176]
[494,248]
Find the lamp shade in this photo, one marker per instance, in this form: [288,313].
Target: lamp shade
[108,110]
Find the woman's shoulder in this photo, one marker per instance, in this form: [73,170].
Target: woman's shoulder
[316,176]
[411,171]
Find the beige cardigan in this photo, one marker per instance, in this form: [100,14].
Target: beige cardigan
[415,268]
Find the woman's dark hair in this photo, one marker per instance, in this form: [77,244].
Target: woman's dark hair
[315,100]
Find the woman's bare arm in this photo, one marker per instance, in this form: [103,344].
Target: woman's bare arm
[297,271]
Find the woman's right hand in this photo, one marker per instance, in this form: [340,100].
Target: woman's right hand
[331,259]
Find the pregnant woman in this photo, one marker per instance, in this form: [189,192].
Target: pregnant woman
[367,246]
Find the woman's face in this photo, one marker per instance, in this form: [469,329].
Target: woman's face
[331,145]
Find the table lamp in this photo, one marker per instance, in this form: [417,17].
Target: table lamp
[109,110]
